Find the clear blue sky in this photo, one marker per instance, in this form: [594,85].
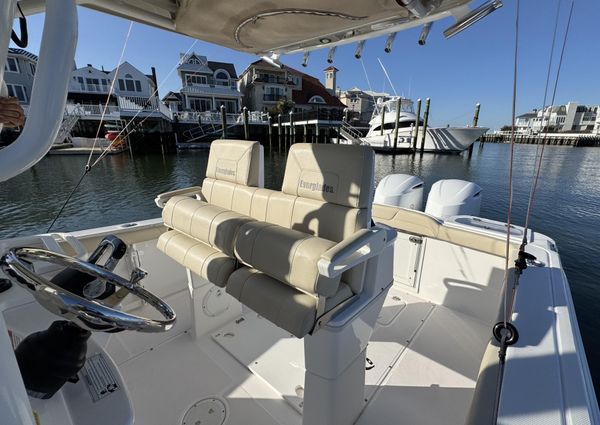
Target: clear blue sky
[474,66]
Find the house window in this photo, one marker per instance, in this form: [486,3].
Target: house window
[194,60]
[93,84]
[316,99]
[200,105]
[32,68]
[129,84]
[11,65]
[230,105]
[222,78]
[18,91]
[192,79]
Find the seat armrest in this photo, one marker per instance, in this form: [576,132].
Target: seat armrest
[354,250]
[163,198]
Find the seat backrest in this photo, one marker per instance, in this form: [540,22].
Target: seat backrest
[332,187]
[232,165]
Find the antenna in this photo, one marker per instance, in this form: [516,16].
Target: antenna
[388,77]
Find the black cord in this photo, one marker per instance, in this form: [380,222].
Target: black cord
[24,39]
[87,170]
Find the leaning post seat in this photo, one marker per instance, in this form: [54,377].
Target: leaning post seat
[203,227]
[305,256]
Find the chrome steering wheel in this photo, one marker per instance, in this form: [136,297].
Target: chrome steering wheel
[90,314]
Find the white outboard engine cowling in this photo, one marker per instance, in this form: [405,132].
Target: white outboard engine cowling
[453,197]
[400,190]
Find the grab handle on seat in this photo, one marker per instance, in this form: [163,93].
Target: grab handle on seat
[354,250]
[163,198]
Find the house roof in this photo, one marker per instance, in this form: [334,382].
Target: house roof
[22,53]
[528,115]
[311,86]
[229,67]
[172,96]
[331,68]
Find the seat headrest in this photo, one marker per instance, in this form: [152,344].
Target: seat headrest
[235,161]
[337,174]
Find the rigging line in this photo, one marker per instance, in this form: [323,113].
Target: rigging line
[105,152]
[510,169]
[87,170]
[540,150]
[388,77]
[510,193]
[110,92]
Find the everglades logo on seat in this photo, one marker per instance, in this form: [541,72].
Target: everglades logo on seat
[316,187]
[225,171]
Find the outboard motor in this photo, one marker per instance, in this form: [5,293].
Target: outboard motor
[400,190]
[453,197]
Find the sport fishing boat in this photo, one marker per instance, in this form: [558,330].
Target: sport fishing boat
[308,305]
[390,131]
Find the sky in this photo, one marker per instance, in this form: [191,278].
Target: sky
[474,66]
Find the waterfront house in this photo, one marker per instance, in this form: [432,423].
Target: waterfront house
[361,103]
[205,86]
[267,88]
[19,71]
[572,118]
[134,94]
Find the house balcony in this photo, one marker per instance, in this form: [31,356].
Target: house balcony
[88,88]
[270,79]
[273,97]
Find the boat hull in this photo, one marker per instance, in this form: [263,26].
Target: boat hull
[446,139]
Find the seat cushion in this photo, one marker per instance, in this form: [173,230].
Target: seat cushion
[287,255]
[213,225]
[199,257]
[286,307]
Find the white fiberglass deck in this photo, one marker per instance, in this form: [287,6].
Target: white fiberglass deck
[425,360]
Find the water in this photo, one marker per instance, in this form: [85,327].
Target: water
[121,189]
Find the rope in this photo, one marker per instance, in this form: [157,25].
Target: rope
[538,164]
[110,92]
[510,195]
[510,169]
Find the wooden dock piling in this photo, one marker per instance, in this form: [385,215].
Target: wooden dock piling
[246,126]
[475,121]
[425,119]
[418,120]
[398,107]
[224,121]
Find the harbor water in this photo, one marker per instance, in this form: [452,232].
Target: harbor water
[122,189]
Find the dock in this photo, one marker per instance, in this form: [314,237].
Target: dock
[552,139]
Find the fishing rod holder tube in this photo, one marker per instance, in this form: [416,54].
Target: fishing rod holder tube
[424,33]
[49,93]
[389,42]
[305,59]
[330,54]
[472,17]
[359,48]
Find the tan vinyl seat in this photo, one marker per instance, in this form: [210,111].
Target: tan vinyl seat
[325,200]
[203,231]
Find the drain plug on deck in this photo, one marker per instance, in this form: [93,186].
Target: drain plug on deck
[208,411]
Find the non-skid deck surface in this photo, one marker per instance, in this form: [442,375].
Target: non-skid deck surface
[425,358]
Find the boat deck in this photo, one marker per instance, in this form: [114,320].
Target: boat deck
[425,360]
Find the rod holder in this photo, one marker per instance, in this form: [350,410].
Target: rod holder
[330,54]
[424,33]
[305,59]
[472,17]
[389,42]
[359,48]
